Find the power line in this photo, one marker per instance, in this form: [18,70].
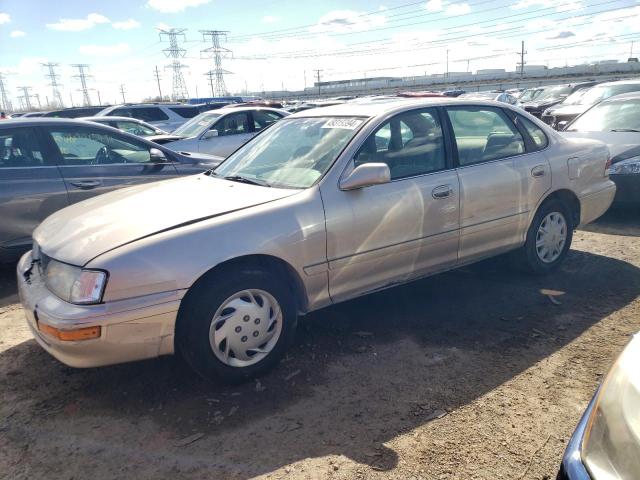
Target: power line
[82,75]
[217,53]
[175,52]
[53,82]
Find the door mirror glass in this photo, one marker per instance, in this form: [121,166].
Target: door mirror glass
[210,134]
[365,175]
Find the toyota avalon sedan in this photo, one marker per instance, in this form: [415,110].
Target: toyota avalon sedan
[323,206]
[606,443]
[616,122]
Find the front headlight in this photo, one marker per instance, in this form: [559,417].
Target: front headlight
[74,284]
[611,443]
[626,167]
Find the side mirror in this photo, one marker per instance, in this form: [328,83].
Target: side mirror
[366,175]
[210,134]
[156,155]
[561,125]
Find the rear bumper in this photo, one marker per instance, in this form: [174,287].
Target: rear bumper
[132,329]
[593,205]
[628,189]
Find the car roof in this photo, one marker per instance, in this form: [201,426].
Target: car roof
[618,82]
[36,121]
[111,118]
[623,97]
[374,109]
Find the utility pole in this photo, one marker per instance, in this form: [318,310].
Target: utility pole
[53,82]
[122,93]
[38,99]
[4,98]
[447,75]
[521,64]
[631,53]
[26,96]
[99,99]
[157,75]
[318,80]
[175,52]
[82,75]
[217,53]
[210,76]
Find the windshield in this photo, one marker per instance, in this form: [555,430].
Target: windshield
[197,125]
[608,116]
[553,92]
[293,153]
[529,95]
[602,92]
[576,97]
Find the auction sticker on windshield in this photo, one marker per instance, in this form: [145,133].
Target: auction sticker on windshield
[346,123]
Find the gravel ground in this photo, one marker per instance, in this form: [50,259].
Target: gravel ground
[473,374]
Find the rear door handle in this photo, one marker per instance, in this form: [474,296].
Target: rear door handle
[538,171]
[442,191]
[86,184]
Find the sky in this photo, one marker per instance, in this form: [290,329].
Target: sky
[279,44]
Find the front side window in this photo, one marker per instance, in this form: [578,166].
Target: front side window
[233,124]
[483,134]
[79,146]
[293,153]
[197,125]
[410,144]
[262,119]
[19,147]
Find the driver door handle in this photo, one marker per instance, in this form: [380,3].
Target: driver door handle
[443,191]
[86,184]
[538,171]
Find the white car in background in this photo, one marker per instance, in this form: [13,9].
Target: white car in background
[167,116]
[221,132]
[502,97]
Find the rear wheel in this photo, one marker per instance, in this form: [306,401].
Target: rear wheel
[548,239]
[236,324]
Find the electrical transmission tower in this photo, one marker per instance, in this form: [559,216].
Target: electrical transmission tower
[83,75]
[5,104]
[217,53]
[179,91]
[26,97]
[53,79]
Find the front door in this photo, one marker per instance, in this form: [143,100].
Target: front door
[391,233]
[94,161]
[31,188]
[233,131]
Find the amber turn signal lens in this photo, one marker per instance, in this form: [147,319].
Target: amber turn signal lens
[70,335]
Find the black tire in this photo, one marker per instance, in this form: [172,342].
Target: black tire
[527,256]
[201,303]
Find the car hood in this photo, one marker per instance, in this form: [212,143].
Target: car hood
[544,103]
[575,110]
[622,145]
[82,231]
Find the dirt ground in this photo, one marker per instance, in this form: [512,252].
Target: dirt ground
[473,374]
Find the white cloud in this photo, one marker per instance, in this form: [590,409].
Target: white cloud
[347,21]
[126,24]
[104,50]
[457,9]
[174,6]
[567,7]
[270,19]
[4,18]
[17,33]
[78,24]
[434,5]
[162,26]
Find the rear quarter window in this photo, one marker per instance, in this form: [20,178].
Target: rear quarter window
[186,112]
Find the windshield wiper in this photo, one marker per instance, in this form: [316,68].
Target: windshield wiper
[625,130]
[238,178]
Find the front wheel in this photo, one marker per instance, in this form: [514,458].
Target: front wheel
[235,325]
[548,239]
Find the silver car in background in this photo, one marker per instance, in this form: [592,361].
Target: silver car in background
[220,132]
[324,206]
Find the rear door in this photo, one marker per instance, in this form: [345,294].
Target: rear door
[31,187]
[94,161]
[500,181]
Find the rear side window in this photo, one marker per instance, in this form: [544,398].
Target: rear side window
[149,114]
[185,112]
[19,147]
[539,138]
[483,134]
[262,119]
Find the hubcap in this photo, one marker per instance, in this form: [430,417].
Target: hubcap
[245,328]
[551,237]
